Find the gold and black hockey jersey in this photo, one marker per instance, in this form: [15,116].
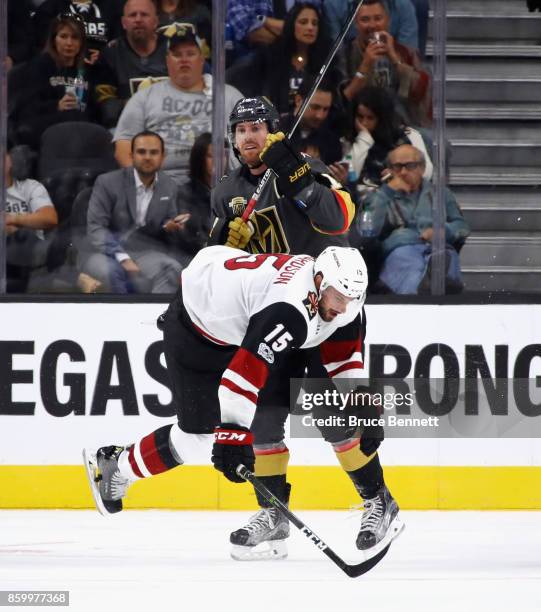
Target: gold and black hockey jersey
[284,225]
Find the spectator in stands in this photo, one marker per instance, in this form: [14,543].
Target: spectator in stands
[29,211]
[133,224]
[179,108]
[403,26]
[194,196]
[278,70]
[375,130]
[375,58]
[19,33]
[323,142]
[252,24]
[101,19]
[56,86]
[401,212]
[186,11]
[130,59]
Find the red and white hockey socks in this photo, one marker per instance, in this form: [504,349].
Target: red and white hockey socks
[149,456]
[162,450]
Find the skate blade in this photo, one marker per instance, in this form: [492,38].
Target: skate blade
[92,473]
[271,550]
[395,529]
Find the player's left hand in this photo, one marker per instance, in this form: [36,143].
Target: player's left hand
[291,168]
[232,446]
[271,140]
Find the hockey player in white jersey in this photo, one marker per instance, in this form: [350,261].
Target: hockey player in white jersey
[239,328]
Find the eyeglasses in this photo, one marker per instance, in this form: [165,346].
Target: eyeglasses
[412,165]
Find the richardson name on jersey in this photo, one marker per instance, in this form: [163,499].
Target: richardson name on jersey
[69,377]
[289,270]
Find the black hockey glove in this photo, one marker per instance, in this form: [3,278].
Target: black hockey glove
[294,173]
[533,5]
[232,446]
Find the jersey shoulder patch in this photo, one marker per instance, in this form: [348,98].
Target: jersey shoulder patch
[311,303]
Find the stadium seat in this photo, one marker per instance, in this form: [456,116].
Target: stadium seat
[71,156]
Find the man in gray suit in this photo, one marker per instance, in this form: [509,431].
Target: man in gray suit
[134,224]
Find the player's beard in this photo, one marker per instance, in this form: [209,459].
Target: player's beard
[325,314]
[254,165]
[253,161]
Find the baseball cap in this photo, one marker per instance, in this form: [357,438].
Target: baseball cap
[177,33]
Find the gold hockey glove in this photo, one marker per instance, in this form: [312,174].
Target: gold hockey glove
[240,233]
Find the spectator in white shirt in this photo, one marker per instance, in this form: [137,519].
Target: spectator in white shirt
[29,212]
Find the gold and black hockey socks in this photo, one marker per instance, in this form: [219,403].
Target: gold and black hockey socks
[368,479]
[270,468]
[365,471]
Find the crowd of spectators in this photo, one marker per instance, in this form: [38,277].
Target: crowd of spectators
[140,71]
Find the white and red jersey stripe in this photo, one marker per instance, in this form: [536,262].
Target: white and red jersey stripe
[343,358]
[240,386]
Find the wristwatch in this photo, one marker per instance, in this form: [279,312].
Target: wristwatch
[260,21]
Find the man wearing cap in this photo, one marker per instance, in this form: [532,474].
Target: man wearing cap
[178,108]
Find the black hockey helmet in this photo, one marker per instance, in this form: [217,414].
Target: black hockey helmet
[252,109]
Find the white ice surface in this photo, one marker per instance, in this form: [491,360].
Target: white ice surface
[154,561]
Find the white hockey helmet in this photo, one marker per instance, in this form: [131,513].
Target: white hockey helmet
[344,269]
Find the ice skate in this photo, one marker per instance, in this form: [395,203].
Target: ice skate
[380,523]
[106,482]
[262,538]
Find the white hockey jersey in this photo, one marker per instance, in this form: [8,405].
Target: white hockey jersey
[267,306]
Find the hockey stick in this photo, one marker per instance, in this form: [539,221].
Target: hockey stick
[353,571]
[298,117]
